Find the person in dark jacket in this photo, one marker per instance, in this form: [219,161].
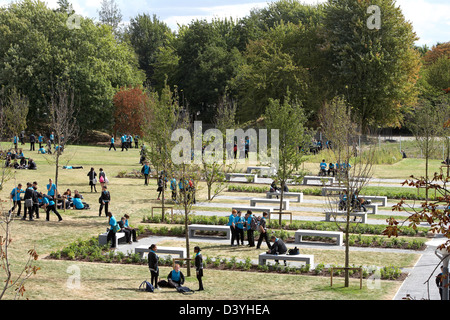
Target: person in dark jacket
[199,267]
[278,247]
[92,179]
[105,199]
[153,265]
[175,278]
[28,199]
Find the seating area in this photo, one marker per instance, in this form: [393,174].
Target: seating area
[319,233]
[120,238]
[361,215]
[253,209]
[297,195]
[263,170]
[229,176]
[275,202]
[381,199]
[306,258]
[181,252]
[318,180]
[202,227]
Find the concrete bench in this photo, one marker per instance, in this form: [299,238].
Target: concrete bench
[264,170]
[328,190]
[275,202]
[382,199]
[319,233]
[228,176]
[170,250]
[372,206]
[362,215]
[329,180]
[307,258]
[119,236]
[244,209]
[298,195]
[203,227]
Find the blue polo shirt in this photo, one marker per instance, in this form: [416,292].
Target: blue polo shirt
[112,140]
[249,222]
[232,220]
[51,190]
[240,222]
[46,200]
[323,165]
[16,194]
[146,169]
[78,203]
[176,276]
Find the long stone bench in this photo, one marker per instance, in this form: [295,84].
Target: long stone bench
[120,237]
[319,233]
[257,209]
[306,179]
[298,195]
[327,190]
[307,258]
[275,202]
[362,215]
[203,227]
[382,199]
[373,206]
[263,170]
[170,250]
[228,176]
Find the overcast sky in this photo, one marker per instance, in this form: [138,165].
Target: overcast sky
[430,18]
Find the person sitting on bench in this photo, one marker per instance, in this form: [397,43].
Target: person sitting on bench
[278,247]
[323,168]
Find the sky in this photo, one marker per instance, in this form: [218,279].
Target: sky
[430,18]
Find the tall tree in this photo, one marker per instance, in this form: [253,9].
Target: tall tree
[110,14]
[375,68]
[129,104]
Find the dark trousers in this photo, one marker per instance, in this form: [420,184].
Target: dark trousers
[36,210]
[251,237]
[174,195]
[263,235]
[31,146]
[233,235]
[52,208]
[240,235]
[101,209]
[28,210]
[17,204]
[154,277]
[124,146]
[199,278]
[129,234]
[146,179]
[111,236]
[112,146]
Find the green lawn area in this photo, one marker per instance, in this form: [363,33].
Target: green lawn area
[109,281]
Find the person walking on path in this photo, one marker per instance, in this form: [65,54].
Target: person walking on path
[199,267]
[153,265]
[105,199]
[263,231]
[92,179]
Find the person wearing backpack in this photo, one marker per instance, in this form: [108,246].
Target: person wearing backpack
[252,226]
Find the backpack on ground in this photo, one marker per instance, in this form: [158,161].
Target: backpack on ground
[294,251]
[185,290]
[146,286]
[254,223]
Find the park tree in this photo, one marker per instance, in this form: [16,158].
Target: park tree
[110,14]
[129,104]
[354,171]
[148,35]
[288,117]
[15,112]
[371,59]
[37,49]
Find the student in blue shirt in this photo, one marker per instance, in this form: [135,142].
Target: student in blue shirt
[250,232]
[77,203]
[175,277]
[146,171]
[232,224]
[49,205]
[15,197]
[173,187]
[323,168]
[240,220]
[113,228]
[123,139]
[51,188]
[128,227]
[40,140]
[112,144]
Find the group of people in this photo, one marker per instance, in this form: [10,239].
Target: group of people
[179,189]
[15,158]
[34,200]
[356,202]
[126,142]
[175,278]
[41,140]
[333,168]
[102,178]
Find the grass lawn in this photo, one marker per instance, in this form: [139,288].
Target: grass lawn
[109,281]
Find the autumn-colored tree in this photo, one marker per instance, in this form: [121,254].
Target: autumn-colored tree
[438,51]
[128,110]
